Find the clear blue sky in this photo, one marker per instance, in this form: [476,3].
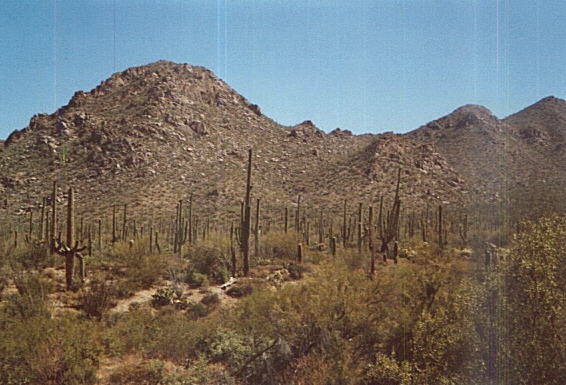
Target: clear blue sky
[367,66]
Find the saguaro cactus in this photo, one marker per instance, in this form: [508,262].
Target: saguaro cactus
[30,224]
[53,217]
[113,224]
[124,222]
[389,225]
[151,239]
[41,219]
[320,228]
[245,245]
[360,226]
[333,246]
[440,242]
[463,230]
[344,227]
[190,231]
[99,234]
[371,245]
[256,230]
[71,249]
[298,215]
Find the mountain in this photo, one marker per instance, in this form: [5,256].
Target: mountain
[518,160]
[154,134]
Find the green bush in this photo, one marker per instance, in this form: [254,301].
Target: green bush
[163,296]
[531,297]
[38,349]
[31,297]
[197,310]
[196,279]
[170,335]
[209,261]
[142,273]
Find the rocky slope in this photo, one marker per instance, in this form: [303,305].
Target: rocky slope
[153,134]
[518,159]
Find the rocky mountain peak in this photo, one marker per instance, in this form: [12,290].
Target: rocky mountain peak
[153,133]
[467,116]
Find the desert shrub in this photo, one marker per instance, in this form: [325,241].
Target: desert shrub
[210,299]
[32,255]
[168,335]
[316,256]
[196,279]
[295,270]
[31,297]
[310,369]
[350,322]
[121,251]
[97,299]
[3,284]
[163,296]
[532,298]
[278,245]
[37,349]
[177,276]
[386,370]
[209,261]
[239,291]
[354,259]
[231,349]
[197,310]
[141,274]
[202,372]
[150,372]
[160,372]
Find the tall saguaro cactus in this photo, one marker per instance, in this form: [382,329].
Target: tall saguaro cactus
[53,217]
[370,242]
[256,230]
[440,241]
[41,219]
[360,227]
[344,227]
[389,224]
[113,224]
[71,249]
[298,215]
[245,245]
[124,221]
[190,231]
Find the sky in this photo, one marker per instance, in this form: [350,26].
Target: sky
[367,66]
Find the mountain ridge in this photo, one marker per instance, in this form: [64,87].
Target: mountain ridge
[154,134]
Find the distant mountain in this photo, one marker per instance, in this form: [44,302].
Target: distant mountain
[519,159]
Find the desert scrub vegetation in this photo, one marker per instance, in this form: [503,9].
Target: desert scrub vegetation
[36,348]
[439,318]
